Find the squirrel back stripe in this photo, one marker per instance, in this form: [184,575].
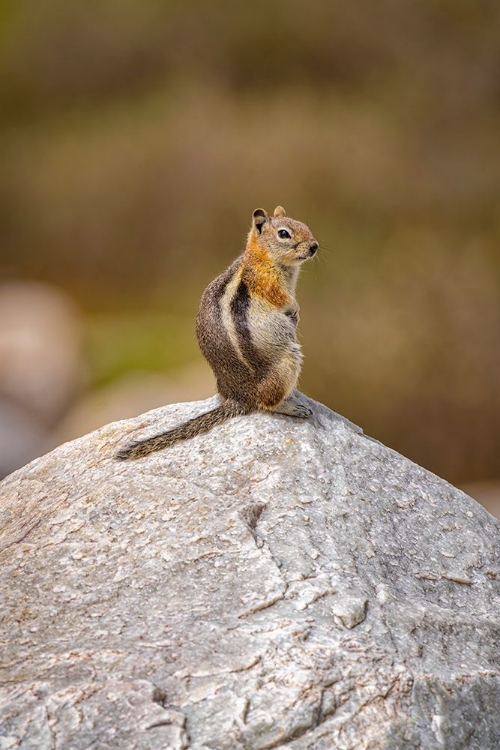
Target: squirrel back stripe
[240,311]
[225,299]
[239,307]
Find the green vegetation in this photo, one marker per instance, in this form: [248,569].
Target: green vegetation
[119,343]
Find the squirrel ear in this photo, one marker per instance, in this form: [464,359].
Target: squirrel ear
[279,211]
[259,218]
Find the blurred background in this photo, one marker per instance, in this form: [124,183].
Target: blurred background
[136,140]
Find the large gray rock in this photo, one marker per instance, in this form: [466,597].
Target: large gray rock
[276,583]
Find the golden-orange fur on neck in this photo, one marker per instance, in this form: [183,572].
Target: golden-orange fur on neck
[263,277]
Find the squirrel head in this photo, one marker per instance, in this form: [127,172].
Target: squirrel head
[288,241]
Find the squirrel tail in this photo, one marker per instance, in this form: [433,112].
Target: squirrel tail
[189,429]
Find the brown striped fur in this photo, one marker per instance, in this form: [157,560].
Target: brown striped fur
[246,329]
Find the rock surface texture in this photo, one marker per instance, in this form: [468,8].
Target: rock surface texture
[275,583]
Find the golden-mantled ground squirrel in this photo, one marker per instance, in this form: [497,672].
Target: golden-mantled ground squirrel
[246,328]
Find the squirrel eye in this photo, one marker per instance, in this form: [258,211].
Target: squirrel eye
[283,234]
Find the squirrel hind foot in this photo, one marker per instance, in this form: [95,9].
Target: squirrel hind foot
[293,409]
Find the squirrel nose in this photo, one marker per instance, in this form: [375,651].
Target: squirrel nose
[313,247]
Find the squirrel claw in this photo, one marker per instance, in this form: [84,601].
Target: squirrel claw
[301,411]
[292,409]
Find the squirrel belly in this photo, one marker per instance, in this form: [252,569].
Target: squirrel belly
[246,330]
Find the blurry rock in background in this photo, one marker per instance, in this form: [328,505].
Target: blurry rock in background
[45,374]
[41,368]
[22,437]
[134,394]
